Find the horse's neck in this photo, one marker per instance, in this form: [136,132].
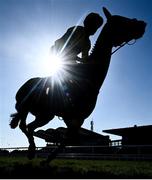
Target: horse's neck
[103,47]
[101,56]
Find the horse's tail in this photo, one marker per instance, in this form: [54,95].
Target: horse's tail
[15,120]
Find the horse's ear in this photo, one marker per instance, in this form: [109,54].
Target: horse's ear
[107,13]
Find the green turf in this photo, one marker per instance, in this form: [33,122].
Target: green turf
[23,168]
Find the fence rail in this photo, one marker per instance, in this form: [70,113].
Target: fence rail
[130,152]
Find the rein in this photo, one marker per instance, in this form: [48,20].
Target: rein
[123,44]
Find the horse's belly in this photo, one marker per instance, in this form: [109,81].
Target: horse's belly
[81,108]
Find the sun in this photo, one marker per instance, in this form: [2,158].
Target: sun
[52,64]
[55,63]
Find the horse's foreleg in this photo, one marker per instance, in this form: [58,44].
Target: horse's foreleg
[54,153]
[73,127]
[72,137]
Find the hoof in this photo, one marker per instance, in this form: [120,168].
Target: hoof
[14,122]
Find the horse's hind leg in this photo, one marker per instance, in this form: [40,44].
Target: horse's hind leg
[22,124]
[24,129]
[39,121]
[20,118]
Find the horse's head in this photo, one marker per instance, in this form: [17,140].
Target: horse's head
[123,29]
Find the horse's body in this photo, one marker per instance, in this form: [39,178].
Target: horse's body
[74,97]
[39,96]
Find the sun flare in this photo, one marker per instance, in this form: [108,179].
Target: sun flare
[52,64]
[56,63]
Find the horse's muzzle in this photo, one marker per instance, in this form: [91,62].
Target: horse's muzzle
[140,29]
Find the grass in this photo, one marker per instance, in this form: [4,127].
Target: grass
[19,167]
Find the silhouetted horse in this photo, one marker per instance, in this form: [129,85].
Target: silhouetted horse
[73,95]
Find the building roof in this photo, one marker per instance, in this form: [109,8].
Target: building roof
[129,130]
[54,134]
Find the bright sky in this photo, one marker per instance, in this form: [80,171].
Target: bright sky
[27,30]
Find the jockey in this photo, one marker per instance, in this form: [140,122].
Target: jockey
[76,40]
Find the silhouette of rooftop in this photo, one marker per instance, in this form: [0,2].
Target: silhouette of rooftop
[135,129]
[136,135]
[86,136]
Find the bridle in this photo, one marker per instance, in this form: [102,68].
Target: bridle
[123,44]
